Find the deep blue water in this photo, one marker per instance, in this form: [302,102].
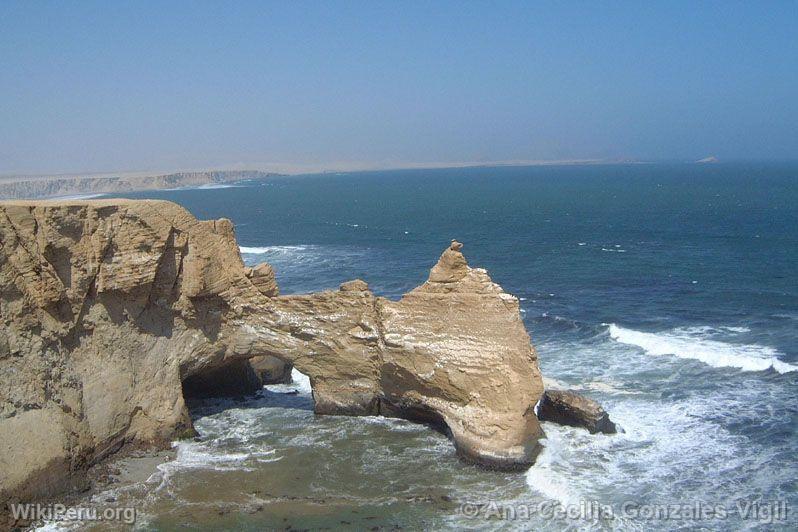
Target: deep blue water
[666,291]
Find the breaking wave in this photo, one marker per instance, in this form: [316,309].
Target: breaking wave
[277,250]
[696,343]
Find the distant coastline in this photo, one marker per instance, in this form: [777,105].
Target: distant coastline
[88,184]
[28,187]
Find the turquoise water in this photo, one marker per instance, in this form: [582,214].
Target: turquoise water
[666,292]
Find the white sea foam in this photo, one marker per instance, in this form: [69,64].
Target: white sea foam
[240,428]
[704,329]
[253,250]
[391,423]
[545,477]
[662,446]
[213,186]
[191,454]
[301,381]
[80,196]
[280,250]
[594,385]
[53,526]
[206,186]
[694,343]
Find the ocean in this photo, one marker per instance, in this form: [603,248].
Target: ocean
[667,292]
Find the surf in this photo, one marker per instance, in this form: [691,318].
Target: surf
[697,344]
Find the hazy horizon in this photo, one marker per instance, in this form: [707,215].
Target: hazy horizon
[100,88]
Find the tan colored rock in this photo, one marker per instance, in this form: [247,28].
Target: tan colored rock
[461,350]
[271,370]
[262,276]
[109,308]
[356,285]
[451,267]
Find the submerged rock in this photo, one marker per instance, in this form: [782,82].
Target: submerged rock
[114,310]
[569,408]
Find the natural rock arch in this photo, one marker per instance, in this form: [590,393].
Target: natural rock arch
[94,359]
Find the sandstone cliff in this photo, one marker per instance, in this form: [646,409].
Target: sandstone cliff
[113,309]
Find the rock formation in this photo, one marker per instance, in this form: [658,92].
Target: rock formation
[271,370]
[114,310]
[569,408]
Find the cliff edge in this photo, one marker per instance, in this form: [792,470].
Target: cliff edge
[114,310]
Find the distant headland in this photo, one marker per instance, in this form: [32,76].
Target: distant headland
[75,185]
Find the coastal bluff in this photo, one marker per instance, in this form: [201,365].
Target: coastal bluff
[113,311]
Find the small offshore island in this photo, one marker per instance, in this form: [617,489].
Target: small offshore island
[117,311]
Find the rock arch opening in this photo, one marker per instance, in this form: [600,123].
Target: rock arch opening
[239,377]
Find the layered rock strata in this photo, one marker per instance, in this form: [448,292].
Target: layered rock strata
[114,310]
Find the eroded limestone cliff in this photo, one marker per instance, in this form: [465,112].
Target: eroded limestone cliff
[109,308]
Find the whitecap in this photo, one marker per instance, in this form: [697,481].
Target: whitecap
[260,250]
[708,330]
[684,343]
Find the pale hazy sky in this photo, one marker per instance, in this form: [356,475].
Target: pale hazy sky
[113,86]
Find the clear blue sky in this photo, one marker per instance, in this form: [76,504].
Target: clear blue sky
[112,85]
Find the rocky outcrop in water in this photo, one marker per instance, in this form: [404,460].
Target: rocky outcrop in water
[113,311]
[569,408]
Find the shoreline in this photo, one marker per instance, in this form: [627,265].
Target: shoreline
[69,187]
